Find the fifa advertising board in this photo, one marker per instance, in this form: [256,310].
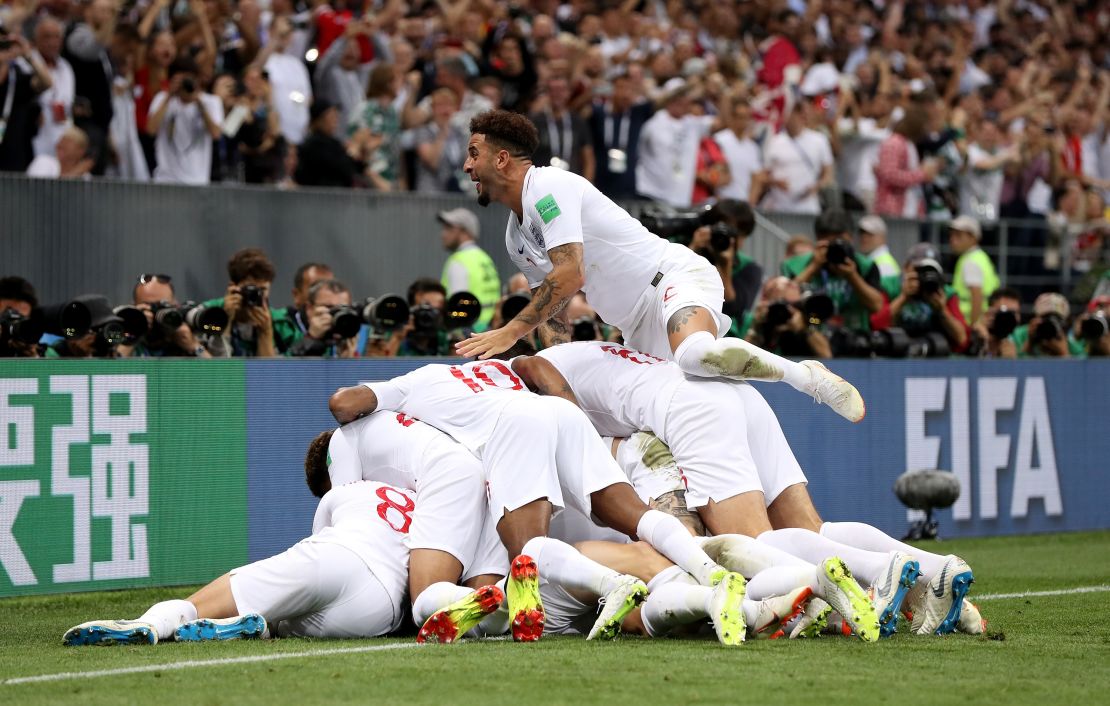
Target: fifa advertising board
[116,474]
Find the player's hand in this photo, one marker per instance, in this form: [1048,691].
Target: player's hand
[488,343]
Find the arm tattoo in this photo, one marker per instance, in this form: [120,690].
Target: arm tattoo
[554,331]
[680,318]
[674,504]
[552,296]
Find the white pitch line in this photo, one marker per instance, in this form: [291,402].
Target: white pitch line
[171,666]
[1039,594]
[61,676]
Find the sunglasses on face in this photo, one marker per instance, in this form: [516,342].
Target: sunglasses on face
[148,278]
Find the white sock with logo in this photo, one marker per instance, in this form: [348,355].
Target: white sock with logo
[435,598]
[864,536]
[167,616]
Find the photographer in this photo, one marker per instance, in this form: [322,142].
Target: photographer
[184,122]
[154,294]
[425,334]
[17,301]
[1046,335]
[585,324]
[1093,328]
[990,336]
[781,324]
[327,336]
[306,275]
[255,330]
[926,305]
[835,269]
[740,274]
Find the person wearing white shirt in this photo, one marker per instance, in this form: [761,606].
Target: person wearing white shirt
[745,159]
[566,236]
[862,131]
[799,162]
[292,88]
[669,148]
[56,101]
[184,122]
[70,159]
[981,185]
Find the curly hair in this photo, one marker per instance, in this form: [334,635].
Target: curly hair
[508,131]
[250,263]
[316,464]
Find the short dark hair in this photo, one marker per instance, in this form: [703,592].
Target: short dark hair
[736,213]
[425,284]
[332,285]
[832,221]
[508,131]
[18,289]
[298,276]
[250,263]
[1003,293]
[316,464]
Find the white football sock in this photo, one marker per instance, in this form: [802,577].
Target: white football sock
[705,356]
[864,536]
[674,604]
[563,565]
[780,580]
[671,574]
[747,555]
[435,598]
[866,565]
[167,616]
[667,535]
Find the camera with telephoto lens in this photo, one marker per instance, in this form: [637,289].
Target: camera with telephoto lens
[462,310]
[893,342]
[1004,323]
[166,315]
[252,295]
[388,312]
[816,308]
[204,319]
[1050,328]
[840,251]
[1094,327]
[930,279]
[135,325]
[19,329]
[345,322]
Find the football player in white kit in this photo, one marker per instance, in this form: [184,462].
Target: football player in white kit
[740,474]
[540,455]
[347,579]
[566,236]
[446,538]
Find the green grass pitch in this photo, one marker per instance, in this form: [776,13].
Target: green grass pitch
[1038,650]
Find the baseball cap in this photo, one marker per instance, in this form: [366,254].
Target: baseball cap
[1051,303]
[966,224]
[460,218]
[873,224]
[922,251]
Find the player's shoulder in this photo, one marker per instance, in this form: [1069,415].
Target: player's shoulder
[359,490]
[546,180]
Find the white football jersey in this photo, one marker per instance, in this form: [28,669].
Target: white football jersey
[620,256]
[386,446]
[372,520]
[620,389]
[463,401]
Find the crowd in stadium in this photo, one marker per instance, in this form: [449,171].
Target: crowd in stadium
[960,112]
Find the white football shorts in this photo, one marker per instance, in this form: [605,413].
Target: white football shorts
[316,589]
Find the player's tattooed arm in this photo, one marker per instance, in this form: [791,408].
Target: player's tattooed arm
[563,282]
[555,330]
[351,403]
[543,378]
[674,504]
[552,296]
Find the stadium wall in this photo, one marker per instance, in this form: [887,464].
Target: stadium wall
[134,473]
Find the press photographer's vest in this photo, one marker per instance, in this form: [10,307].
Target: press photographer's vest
[990,280]
[890,274]
[482,280]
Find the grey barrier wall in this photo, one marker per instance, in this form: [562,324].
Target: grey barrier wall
[73,237]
